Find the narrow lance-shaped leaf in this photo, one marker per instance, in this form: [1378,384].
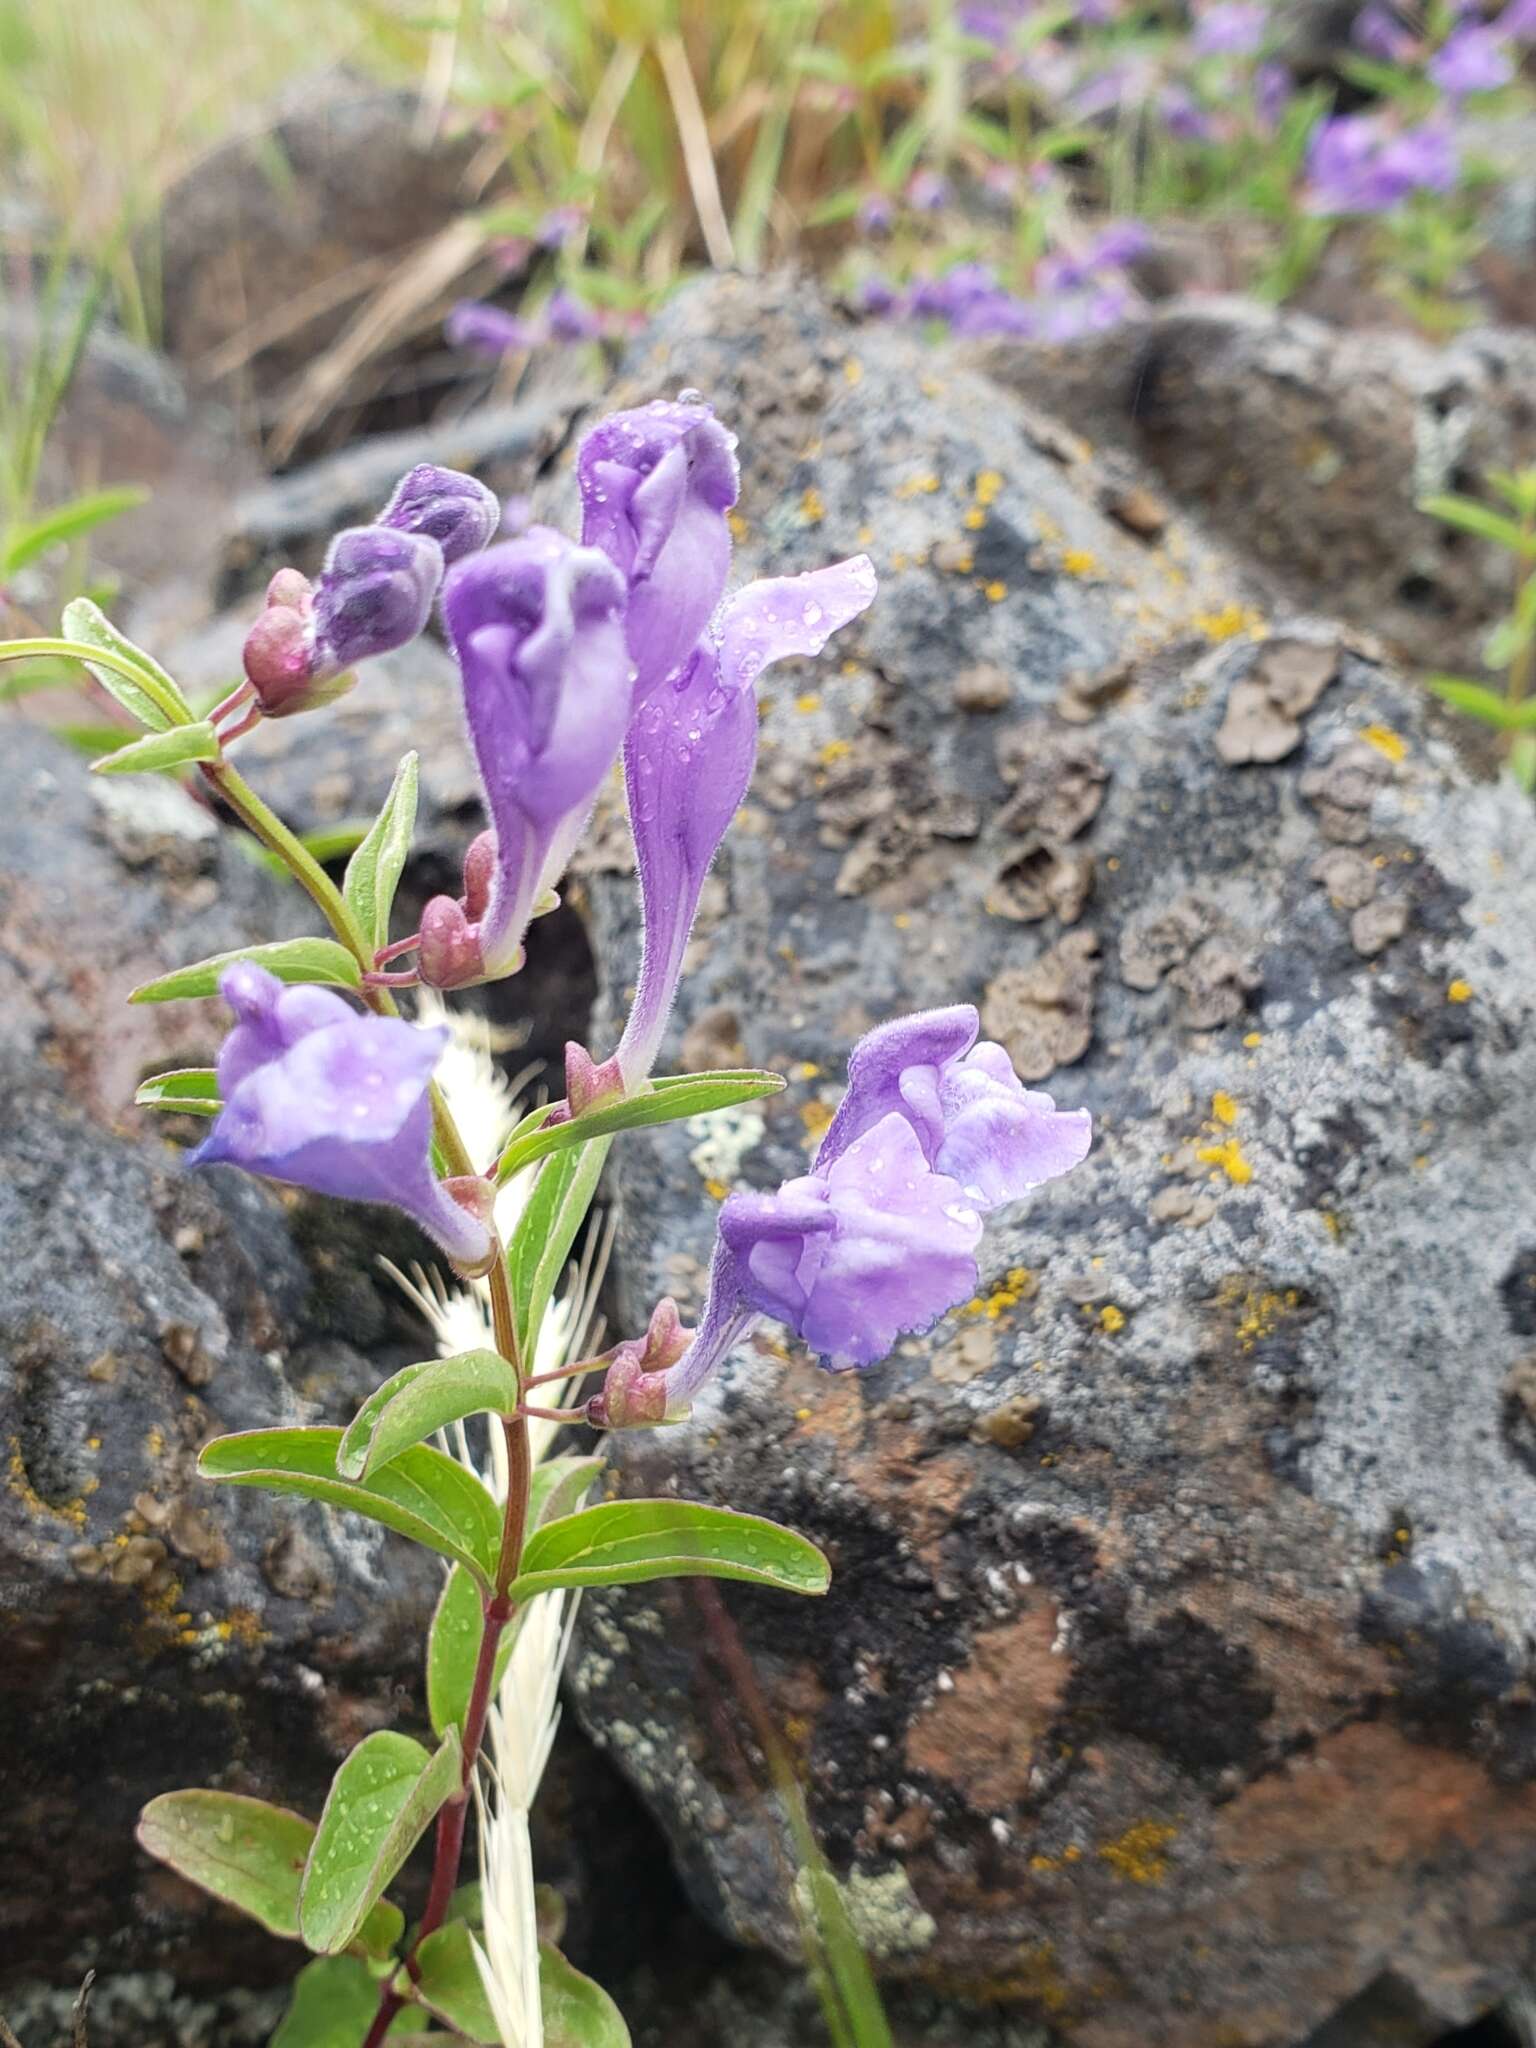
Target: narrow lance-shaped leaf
[422,1494]
[1471,517]
[149,693]
[669,1101]
[249,1854]
[380,1804]
[194,1091]
[419,1401]
[291,960]
[159,751]
[622,1543]
[545,1232]
[374,871]
[70,522]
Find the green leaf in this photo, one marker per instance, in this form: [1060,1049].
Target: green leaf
[422,1494]
[559,1487]
[149,692]
[374,871]
[623,1542]
[448,1983]
[1476,699]
[380,1804]
[419,1401]
[333,2005]
[1522,762]
[1471,517]
[249,1854]
[453,1650]
[69,522]
[292,960]
[668,1101]
[160,750]
[194,1091]
[545,1232]
[577,2012]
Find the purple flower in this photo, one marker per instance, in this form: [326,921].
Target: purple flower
[332,1099]
[688,760]
[559,226]
[876,214]
[1379,33]
[489,330]
[878,297]
[1357,165]
[879,1238]
[537,625]
[973,1117]
[1232,28]
[1183,116]
[375,593]
[1272,88]
[927,191]
[569,319]
[1471,60]
[455,510]
[1518,22]
[656,485]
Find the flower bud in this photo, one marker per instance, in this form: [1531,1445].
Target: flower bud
[635,1392]
[374,594]
[455,510]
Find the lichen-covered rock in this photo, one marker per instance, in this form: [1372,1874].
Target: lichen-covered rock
[1308,450]
[159,1632]
[1175,1678]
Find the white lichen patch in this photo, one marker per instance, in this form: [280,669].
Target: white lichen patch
[725,1137]
[886,1913]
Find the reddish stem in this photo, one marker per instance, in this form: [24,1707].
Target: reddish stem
[408,979]
[393,952]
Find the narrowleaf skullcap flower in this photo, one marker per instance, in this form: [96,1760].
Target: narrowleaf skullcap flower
[488,330]
[455,510]
[1472,59]
[1356,164]
[688,760]
[336,1100]
[656,484]
[879,1238]
[537,624]
[375,591]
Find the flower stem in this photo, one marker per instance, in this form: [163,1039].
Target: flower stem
[496,1612]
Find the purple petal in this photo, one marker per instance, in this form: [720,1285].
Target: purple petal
[928,1039]
[375,593]
[455,510]
[656,485]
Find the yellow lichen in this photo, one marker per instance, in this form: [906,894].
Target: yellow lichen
[902,920]
[1228,1156]
[995,592]
[1226,624]
[834,750]
[716,1190]
[1080,562]
[20,1483]
[1385,741]
[1223,1108]
[813,507]
[815,1116]
[1459,992]
[807,1071]
[1259,1309]
[1137,1855]
[808,700]
[988,483]
[738,525]
[922,486]
[975,519]
[853,370]
[866,536]
[803,1414]
[1111,1319]
[1018,1284]
[1253,1038]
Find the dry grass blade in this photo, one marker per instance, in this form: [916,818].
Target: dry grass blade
[82,2008]
[7,2038]
[292,316]
[395,310]
[698,155]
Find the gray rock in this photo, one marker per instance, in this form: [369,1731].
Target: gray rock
[1174,1681]
[159,1632]
[1308,450]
